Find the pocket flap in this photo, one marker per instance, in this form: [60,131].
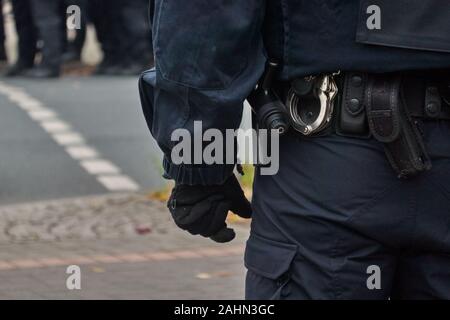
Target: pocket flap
[270,259]
[205,44]
[412,24]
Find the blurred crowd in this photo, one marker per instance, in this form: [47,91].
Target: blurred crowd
[44,44]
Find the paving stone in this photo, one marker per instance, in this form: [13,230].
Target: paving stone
[126,246]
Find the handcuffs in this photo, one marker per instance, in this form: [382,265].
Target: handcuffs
[310,103]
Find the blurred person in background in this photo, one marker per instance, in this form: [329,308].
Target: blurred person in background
[51,26]
[27,38]
[3,58]
[105,16]
[123,31]
[137,55]
[72,48]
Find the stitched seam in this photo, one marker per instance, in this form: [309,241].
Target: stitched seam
[413,216]
[371,202]
[441,188]
[337,293]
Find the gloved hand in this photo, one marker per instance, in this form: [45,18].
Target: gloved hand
[203,209]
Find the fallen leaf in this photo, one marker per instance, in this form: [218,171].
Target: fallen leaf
[97,270]
[203,276]
[143,230]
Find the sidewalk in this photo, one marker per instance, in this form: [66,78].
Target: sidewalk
[126,246]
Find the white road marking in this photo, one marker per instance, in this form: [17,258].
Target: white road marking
[117,183]
[41,115]
[68,138]
[31,106]
[21,98]
[18,97]
[82,152]
[55,126]
[99,166]
[106,172]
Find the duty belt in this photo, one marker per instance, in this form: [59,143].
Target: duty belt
[381,106]
[426,97]
[423,95]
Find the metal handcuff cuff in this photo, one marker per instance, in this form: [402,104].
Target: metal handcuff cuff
[310,103]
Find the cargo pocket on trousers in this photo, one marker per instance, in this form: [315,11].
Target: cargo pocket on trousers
[269,268]
[206,44]
[411,24]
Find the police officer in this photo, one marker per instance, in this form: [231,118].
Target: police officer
[27,38]
[359,208]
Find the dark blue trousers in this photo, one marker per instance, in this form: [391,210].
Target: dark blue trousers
[336,209]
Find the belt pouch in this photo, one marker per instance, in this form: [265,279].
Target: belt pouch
[352,120]
[390,123]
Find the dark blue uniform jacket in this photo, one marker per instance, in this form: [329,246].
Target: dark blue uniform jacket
[210,54]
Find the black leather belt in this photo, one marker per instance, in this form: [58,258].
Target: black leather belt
[425,95]
[386,106]
[382,106]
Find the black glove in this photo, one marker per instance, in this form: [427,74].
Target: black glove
[203,209]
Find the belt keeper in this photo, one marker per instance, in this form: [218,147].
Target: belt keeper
[383,109]
[433,103]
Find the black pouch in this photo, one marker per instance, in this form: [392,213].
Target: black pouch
[412,24]
[391,124]
[352,120]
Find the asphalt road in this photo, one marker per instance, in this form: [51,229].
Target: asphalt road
[104,111]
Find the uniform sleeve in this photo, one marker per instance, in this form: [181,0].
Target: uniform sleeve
[209,55]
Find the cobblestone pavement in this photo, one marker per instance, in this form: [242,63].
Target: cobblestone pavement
[125,245]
